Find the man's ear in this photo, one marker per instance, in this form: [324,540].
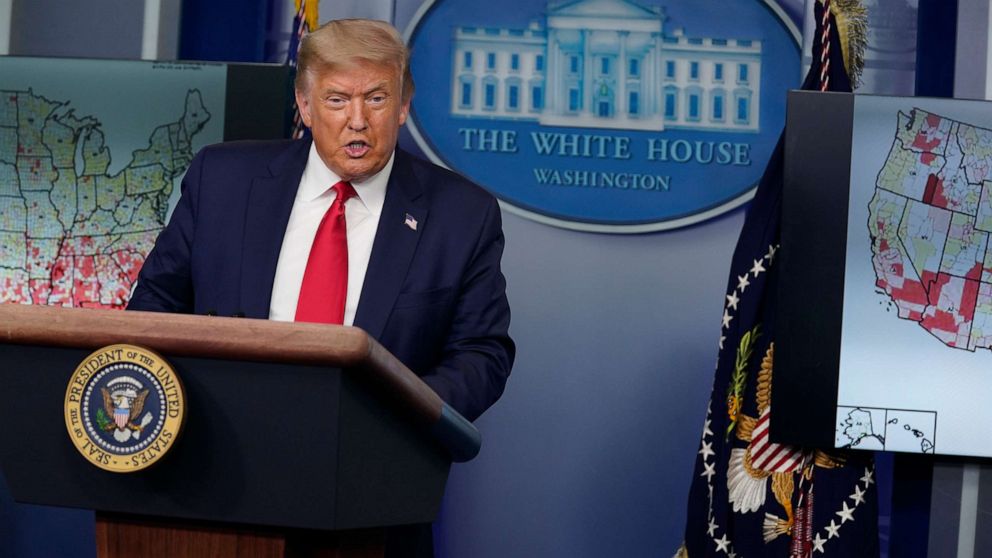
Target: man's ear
[303,103]
[404,112]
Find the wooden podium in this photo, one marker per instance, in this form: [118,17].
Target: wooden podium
[300,439]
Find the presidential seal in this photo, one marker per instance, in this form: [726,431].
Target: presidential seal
[124,408]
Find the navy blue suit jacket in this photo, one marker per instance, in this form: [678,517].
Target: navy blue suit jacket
[434,296]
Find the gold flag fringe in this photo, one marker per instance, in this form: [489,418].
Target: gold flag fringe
[309,13]
[852,27]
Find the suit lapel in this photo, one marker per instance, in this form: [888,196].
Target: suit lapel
[394,246]
[270,202]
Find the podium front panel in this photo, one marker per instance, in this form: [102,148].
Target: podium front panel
[264,444]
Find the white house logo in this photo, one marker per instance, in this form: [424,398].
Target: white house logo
[607,115]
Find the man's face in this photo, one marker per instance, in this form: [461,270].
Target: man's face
[354,113]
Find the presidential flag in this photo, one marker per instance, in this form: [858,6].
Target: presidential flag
[750,496]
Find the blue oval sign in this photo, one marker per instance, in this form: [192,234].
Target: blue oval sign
[604,115]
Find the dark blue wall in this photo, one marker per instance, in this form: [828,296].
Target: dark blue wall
[227,30]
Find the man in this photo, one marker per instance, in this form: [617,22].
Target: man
[420,270]
[422,267]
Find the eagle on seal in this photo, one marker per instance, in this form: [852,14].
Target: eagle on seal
[124,409]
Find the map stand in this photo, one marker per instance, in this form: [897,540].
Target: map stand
[301,439]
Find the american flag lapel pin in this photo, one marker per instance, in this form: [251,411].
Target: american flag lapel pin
[410,222]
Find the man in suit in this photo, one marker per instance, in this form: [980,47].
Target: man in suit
[260,229]
[421,272]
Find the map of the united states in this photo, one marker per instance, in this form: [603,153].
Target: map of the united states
[71,233]
[929,222]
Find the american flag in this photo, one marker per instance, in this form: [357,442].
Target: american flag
[304,21]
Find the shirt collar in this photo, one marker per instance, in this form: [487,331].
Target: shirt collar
[318,179]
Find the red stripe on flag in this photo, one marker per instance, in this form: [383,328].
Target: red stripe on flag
[787,463]
[770,456]
[773,452]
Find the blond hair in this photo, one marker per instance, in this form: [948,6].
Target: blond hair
[346,41]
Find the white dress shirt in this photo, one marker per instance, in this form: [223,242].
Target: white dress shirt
[313,198]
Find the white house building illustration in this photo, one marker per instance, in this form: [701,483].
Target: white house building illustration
[606,64]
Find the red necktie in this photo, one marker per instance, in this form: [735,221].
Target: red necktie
[325,281]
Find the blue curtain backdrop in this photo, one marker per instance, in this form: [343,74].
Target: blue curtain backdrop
[234,30]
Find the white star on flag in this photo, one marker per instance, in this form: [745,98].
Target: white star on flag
[867,478]
[833,530]
[732,300]
[771,254]
[711,531]
[858,496]
[710,470]
[722,544]
[846,514]
[757,268]
[818,543]
[742,282]
[726,319]
[707,450]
